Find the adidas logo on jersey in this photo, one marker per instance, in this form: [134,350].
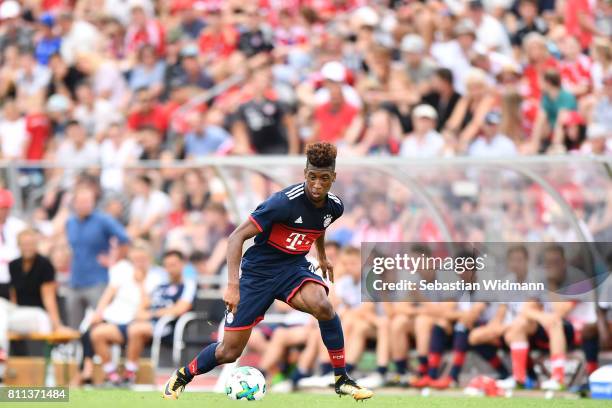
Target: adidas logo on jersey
[299,220]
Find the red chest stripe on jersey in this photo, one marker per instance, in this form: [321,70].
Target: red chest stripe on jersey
[292,240]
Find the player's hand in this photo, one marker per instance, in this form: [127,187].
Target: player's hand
[327,269]
[231,297]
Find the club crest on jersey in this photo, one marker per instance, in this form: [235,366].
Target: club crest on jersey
[327,220]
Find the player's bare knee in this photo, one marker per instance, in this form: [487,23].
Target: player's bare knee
[324,311]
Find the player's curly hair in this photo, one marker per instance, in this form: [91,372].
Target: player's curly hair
[321,154]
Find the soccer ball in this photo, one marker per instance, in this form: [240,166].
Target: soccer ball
[245,383]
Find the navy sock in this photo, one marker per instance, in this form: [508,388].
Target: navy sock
[401,366]
[436,348]
[489,353]
[590,347]
[333,338]
[326,368]
[203,362]
[422,365]
[297,375]
[382,370]
[460,346]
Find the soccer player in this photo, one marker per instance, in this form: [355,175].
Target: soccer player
[285,226]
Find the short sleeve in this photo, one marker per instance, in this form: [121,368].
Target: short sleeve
[274,209]
[48,271]
[337,206]
[189,291]
[115,229]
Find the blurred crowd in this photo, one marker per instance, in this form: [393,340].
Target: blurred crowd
[181,79]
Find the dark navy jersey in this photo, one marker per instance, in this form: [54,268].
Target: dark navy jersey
[288,223]
[167,294]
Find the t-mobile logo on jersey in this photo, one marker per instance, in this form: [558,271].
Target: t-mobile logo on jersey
[295,238]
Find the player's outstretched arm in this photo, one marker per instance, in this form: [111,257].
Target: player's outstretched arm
[245,231]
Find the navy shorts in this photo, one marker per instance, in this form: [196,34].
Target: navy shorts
[541,341]
[258,292]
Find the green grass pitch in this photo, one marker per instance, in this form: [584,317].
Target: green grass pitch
[131,399]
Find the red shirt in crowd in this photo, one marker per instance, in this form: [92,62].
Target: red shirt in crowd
[577,72]
[533,72]
[38,127]
[219,44]
[156,117]
[573,10]
[333,124]
[153,33]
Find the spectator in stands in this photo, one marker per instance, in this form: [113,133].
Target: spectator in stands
[32,307]
[126,294]
[454,54]
[489,30]
[10,227]
[382,135]
[254,38]
[599,140]
[554,100]
[529,22]
[76,151]
[13,133]
[490,142]
[569,133]
[191,72]
[143,30]
[32,79]
[468,116]
[219,227]
[602,107]
[148,208]
[117,150]
[206,138]
[92,235]
[419,66]
[94,113]
[150,140]
[443,96]
[148,71]
[169,299]
[424,141]
[78,36]
[48,43]
[146,112]
[263,125]
[14,32]
[332,119]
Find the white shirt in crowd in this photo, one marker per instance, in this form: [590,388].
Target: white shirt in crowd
[68,154]
[143,208]
[129,295]
[82,38]
[348,291]
[113,158]
[499,146]
[97,119]
[491,33]
[8,245]
[430,145]
[449,54]
[121,9]
[13,138]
